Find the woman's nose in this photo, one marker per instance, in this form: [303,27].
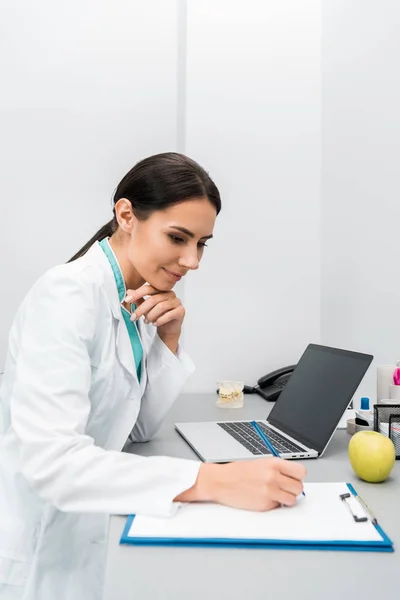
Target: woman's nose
[190,260]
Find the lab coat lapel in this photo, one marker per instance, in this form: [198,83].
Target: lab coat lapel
[143,370]
[129,410]
[125,355]
[124,347]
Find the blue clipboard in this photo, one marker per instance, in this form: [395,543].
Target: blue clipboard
[385,544]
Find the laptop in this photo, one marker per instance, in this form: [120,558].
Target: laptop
[303,419]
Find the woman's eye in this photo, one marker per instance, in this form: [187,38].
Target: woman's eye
[176,240]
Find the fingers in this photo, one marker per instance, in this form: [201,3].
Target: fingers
[144,290]
[290,485]
[172,315]
[153,304]
[290,468]
[271,505]
[285,498]
[137,302]
[285,479]
[162,308]
[158,305]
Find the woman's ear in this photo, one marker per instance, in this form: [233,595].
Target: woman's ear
[124,215]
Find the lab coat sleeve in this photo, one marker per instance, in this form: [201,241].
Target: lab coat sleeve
[166,375]
[50,406]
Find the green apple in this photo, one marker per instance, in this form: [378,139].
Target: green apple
[372,455]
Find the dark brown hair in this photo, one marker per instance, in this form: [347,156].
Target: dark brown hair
[156,183]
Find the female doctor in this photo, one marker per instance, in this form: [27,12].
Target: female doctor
[93,359]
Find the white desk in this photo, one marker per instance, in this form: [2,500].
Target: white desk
[199,573]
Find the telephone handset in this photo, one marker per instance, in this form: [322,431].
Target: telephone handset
[271,385]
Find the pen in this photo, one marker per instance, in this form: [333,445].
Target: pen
[367,510]
[266,441]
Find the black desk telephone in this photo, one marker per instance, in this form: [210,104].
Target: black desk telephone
[271,385]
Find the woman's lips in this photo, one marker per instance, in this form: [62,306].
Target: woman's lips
[174,276]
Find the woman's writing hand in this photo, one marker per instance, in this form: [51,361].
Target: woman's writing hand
[259,485]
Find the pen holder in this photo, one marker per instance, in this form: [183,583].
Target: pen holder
[387,421]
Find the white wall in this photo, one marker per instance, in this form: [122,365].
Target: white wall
[360,179]
[253,116]
[88,87]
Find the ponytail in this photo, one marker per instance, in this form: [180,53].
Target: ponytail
[106,231]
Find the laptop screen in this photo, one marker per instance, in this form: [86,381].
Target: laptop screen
[317,394]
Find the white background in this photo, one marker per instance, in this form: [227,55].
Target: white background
[253,116]
[360,197]
[88,88]
[291,106]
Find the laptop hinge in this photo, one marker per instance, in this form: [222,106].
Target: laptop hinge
[295,436]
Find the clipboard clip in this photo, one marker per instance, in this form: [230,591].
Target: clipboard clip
[345,498]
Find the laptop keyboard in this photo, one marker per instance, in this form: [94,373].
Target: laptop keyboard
[245,434]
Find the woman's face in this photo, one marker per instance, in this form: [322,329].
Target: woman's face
[171,242]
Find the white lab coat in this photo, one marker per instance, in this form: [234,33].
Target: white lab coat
[69,399]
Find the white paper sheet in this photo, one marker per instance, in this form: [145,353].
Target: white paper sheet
[319,516]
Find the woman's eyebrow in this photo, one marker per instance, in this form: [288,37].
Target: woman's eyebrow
[190,233]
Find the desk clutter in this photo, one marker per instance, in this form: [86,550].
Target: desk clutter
[375,444]
[387,409]
[331,516]
[363,419]
[384,415]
